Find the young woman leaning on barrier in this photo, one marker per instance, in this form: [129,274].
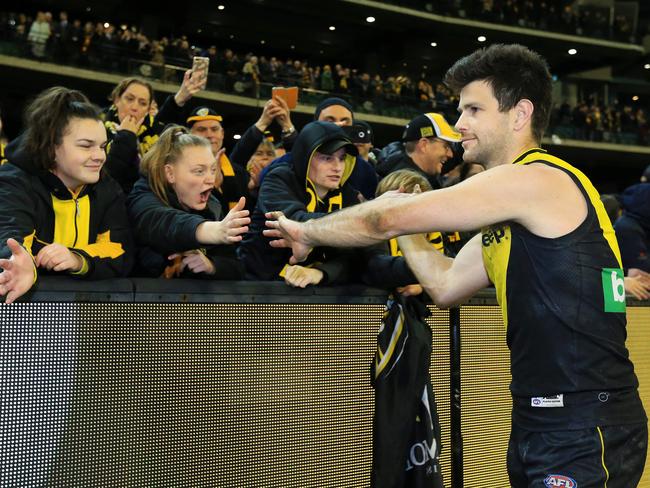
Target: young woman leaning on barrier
[59,212]
[175,216]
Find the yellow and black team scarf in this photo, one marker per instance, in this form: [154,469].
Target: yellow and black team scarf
[147,135]
[3,158]
[333,200]
[231,189]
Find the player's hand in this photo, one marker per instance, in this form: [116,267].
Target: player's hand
[300,276]
[57,257]
[287,233]
[637,287]
[17,275]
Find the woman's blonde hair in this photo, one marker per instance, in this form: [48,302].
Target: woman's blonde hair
[405,179]
[167,150]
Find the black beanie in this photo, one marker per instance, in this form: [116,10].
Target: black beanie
[328,102]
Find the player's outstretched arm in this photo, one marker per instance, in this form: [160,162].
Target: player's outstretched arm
[447,281]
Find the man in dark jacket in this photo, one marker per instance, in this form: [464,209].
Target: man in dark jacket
[312,184]
[633,227]
[425,147]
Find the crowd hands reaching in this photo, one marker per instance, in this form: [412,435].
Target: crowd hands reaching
[153,193]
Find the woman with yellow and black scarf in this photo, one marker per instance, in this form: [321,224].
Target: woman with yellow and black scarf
[131,128]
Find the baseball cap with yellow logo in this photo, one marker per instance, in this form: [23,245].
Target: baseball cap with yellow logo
[430,125]
[202,113]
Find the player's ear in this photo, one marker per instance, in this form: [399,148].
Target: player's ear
[523,113]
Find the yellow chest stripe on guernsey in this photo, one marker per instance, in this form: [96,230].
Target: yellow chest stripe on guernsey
[496,243]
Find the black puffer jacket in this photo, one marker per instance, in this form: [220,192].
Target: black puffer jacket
[161,230]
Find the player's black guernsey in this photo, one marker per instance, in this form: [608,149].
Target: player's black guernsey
[563,303]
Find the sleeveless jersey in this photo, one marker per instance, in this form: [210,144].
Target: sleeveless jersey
[563,300]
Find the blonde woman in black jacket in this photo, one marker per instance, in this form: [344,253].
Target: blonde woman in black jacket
[175,216]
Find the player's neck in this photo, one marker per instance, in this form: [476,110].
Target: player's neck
[513,151]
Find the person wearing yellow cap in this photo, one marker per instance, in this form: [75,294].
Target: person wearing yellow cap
[425,147]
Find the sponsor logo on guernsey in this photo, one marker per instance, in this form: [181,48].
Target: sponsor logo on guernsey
[553,401]
[613,289]
[559,481]
[495,235]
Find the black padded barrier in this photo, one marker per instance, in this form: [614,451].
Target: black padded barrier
[151,383]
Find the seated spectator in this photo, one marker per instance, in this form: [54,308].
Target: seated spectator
[175,216]
[424,148]
[232,180]
[132,130]
[312,185]
[59,213]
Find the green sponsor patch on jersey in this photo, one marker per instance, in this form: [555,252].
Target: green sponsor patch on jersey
[613,289]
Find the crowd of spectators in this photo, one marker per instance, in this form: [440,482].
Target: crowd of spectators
[125,50]
[564,16]
[128,50]
[592,120]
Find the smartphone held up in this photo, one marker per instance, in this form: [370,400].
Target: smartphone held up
[200,66]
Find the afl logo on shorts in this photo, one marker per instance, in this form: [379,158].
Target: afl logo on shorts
[559,481]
